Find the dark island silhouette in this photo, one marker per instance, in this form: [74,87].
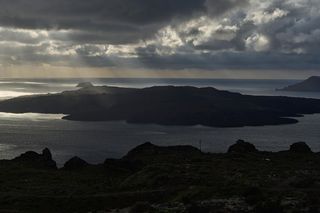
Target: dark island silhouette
[311,84]
[166,105]
[154,179]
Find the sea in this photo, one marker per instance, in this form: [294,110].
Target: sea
[97,141]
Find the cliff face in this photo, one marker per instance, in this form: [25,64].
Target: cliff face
[167,105]
[311,84]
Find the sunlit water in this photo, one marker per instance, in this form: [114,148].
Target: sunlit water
[96,141]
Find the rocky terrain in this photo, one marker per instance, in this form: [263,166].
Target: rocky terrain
[166,179]
[166,105]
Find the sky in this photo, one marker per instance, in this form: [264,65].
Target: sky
[160,38]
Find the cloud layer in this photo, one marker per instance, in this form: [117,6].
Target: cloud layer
[162,34]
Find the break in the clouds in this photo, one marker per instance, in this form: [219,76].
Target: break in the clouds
[162,34]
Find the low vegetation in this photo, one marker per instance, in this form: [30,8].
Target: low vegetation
[166,179]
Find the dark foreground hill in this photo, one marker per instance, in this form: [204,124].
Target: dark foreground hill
[166,179]
[167,105]
[311,84]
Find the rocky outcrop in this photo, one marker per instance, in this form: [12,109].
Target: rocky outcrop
[242,147]
[43,160]
[75,163]
[149,151]
[300,147]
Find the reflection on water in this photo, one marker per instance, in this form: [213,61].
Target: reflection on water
[29,116]
[17,87]
[4,94]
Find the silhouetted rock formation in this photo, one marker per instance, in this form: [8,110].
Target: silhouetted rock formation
[242,147]
[75,163]
[34,159]
[85,85]
[46,154]
[300,147]
[312,84]
[149,152]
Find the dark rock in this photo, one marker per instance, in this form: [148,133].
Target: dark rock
[242,147]
[75,163]
[142,207]
[85,84]
[46,154]
[34,159]
[300,147]
[149,151]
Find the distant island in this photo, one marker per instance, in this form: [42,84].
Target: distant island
[154,179]
[166,105]
[311,84]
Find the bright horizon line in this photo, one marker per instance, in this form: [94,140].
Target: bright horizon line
[36,72]
[196,78]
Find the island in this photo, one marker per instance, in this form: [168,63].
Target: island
[166,105]
[311,84]
[155,179]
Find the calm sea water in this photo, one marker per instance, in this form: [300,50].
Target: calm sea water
[96,141]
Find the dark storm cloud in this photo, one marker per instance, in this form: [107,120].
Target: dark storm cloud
[78,13]
[118,21]
[162,34]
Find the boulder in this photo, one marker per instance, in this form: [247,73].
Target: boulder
[242,147]
[34,159]
[75,163]
[300,147]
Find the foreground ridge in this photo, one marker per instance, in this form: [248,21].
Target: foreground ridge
[152,178]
